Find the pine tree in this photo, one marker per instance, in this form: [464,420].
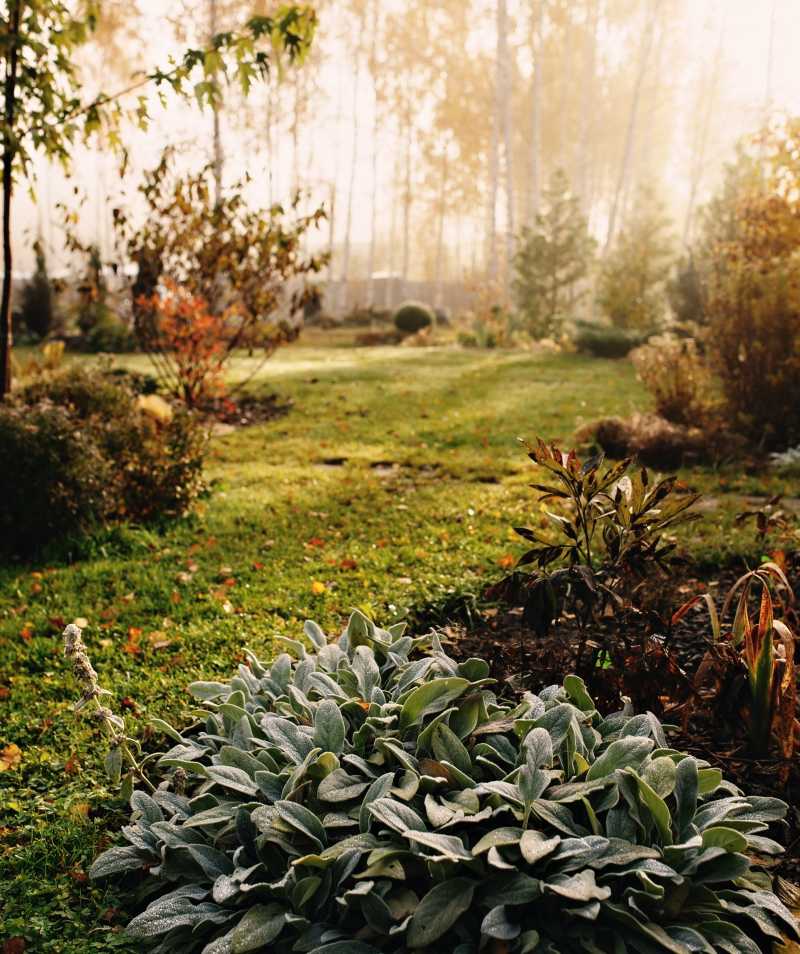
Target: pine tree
[631,286]
[37,307]
[553,255]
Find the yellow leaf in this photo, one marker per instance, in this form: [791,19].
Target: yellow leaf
[318,588]
[10,757]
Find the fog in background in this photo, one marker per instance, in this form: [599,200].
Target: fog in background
[430,128]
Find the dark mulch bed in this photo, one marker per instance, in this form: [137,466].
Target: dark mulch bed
[249,409]
[639,656]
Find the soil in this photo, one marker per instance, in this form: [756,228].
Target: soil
[655,664]
[248,410]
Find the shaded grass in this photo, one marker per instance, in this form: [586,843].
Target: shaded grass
[428,481]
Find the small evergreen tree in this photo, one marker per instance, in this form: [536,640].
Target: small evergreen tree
[37,307]
[633,277]
[687,292]
[553,256]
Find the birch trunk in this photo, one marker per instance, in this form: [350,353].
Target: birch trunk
[535,173]
[644,55]
[218,154]
[345,274]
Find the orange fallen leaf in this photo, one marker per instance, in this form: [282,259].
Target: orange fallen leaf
[316,542]
[10,757]
[507,560]
[72,766]
[27,632]
[318,588]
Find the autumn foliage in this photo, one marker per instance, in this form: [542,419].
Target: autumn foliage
[214,275]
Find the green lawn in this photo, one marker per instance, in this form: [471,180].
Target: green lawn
[430,481]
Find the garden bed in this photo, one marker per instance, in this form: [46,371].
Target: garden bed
[656,665]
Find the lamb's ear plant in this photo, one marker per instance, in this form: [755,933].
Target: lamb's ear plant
[121,761]
[371,795]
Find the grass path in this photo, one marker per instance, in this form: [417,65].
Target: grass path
[428,480]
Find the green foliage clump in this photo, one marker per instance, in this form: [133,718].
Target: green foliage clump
[413,316]
[37,306]
[632,281]
[376,797]
[687,292]
[84,451]
[553,257]
[606,341]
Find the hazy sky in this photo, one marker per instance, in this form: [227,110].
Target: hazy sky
[743,89]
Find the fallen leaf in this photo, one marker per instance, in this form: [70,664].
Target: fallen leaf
[507,560]
[348,564]
[15,945]
[10,757]
[316,542]
[318,588]
[27,632]
[81,622]
[72,766]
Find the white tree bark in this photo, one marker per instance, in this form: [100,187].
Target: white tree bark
[644,55]
[535,173]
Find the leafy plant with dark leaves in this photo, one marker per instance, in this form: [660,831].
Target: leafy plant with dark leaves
[373,797]
[611,534]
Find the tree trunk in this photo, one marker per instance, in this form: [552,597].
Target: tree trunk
[494,149]
[644,54]
[345,274]
[373,235]
[583,157]
[10,93]
[505,77]
[701,142]
[535,174]
[566,87]
[218,155]
[407,201]
[439,277]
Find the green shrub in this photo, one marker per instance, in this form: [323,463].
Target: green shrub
[412,317]
[55,481]
[607,341]
[82,451]
[108,334]
[375,797]
[37,304]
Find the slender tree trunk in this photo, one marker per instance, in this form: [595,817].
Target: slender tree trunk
[345,274]
[535,173]
[388,298]
[567,83]
[407,201]
[270,157]
[508,146]
[439,275]
[701,143]
[9,116]
[296,109]
[494,151]
[332,296]
[373,234]
[644,54]
[583,157]
[218,154]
